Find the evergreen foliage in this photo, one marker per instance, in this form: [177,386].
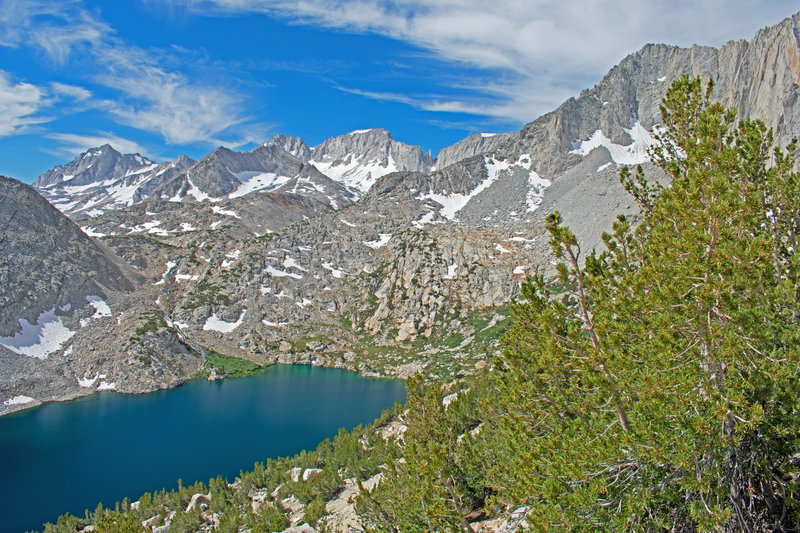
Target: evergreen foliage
[661,393]
[658,390]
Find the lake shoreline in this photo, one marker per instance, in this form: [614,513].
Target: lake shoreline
[67,457]
[77,394]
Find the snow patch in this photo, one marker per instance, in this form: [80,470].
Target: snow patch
[451,272]
[335,272]
[360,175]
[256,181]
[427,218]
[92,233]
[227,212]
[105,385]
[275,273]
[380,243]
[194,190]
[87,383]
[290,262]
[41,339]
[101,309]
[214,323]
[233,256]
[519,269]
[274,324]
[632,154]
[603,167]
[18,400]
[453,203]
[536,187]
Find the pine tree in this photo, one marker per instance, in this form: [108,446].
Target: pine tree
[661,391]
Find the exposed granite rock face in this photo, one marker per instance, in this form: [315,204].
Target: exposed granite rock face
[46,260]
[63,331]
[94,165]
[475,144]
[223,172]
[760,78]
[359,158]
[294,145]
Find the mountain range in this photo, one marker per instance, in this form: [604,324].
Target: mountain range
[362,252]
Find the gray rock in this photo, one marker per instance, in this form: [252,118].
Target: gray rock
[475,144]
[359,158]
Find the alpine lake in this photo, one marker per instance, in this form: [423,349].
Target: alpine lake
[68,457]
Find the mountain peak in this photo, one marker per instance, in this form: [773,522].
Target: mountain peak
[294,145]
[372,131]
[357,159]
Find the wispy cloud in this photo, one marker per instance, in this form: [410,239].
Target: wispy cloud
[71,143]
[70,91]
[150,96]
[546,48]
[20,104]
[166,102]
[56,28]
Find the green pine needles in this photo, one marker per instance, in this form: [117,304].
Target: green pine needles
[660,391]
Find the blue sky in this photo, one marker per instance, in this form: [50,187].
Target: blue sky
[171,77]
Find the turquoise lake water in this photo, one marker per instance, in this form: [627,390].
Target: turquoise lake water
[67,457]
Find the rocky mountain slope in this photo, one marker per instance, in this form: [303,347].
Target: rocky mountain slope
[416,274]
[61,289]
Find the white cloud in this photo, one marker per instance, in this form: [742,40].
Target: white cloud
[70,91]
[167,102]
[19,104]
[72,144]
[150,97]
[55,27]
[546,48]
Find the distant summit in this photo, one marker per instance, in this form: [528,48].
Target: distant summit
[102,179]
[344,168]
[360,157]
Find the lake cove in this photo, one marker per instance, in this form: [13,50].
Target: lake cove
[67,457]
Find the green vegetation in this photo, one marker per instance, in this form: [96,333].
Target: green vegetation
[152,323]
[205,293]
[233,367]
[660,391]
